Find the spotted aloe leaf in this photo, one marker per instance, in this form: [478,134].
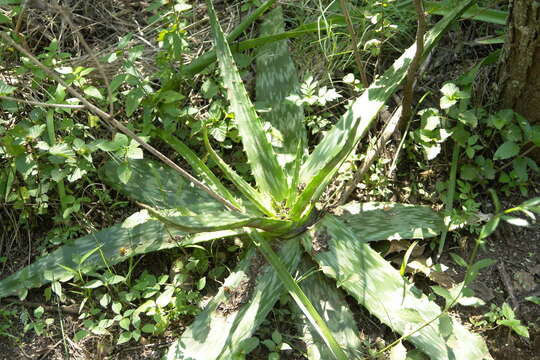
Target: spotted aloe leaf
[375,221]
[342,139]
[376,285]
[330,303]
[216,220]
[266,170]
[237,310]
[277,83]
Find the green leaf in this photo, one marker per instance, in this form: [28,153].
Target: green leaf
[376,285]
[62,150]
[261,201]
[92,91]
[93,284]
[490,227]
[276,81]
[165,297]
[124,172]
[507,150]
[200,168]
[334,309]
[159,186]
[398,352]
[133,99]
[124,323]
[264,165]
[374,221]
[215,221]
[533,299]
[124,337]
[148,237]
[6,89]
[298,295]
[238,309]
[342,139]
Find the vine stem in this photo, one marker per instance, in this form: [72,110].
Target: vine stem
[110,120]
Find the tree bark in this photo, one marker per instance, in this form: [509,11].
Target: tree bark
[519,76]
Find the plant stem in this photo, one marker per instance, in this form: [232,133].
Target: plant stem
[38,103]
[354,39]
[408,89]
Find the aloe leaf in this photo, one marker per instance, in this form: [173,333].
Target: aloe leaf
[261,201]
[209,57]
[376,285]
[215,221]
[375,221]
[153,183]
[330,303]
[276,81]
[298,295]
[268,173]
[200,63]
[342,139]
[237,310]
[200,168]
[116,244]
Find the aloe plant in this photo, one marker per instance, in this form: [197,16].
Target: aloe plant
[277,217]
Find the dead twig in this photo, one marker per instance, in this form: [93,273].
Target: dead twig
[39,103]
[357,59]
[71,309]
[372,154]
[408,89]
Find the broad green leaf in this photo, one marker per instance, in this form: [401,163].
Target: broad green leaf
[216,220]
[6,89]
[507,150]
[376,285]
[342,139]
[298,295]
[330,303]
[268,173]
[200,168]
[237,310]
[276,81]
[115,243]
[375,221]
[159,186]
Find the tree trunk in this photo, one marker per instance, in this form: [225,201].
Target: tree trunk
[519,75]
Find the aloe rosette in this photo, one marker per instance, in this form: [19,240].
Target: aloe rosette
[278,218]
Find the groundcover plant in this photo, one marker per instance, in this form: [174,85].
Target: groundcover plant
[280,220]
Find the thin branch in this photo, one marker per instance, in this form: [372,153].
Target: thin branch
[38,103]
[408,89]
[109,119]
[354,39]
[372,154]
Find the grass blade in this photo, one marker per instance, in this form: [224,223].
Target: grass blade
[375,221]
[341,140]
[116,244]
[239,307]
[276,80]
[200,168]
[298,295]
[268,173]
[330,303]
[376,285]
